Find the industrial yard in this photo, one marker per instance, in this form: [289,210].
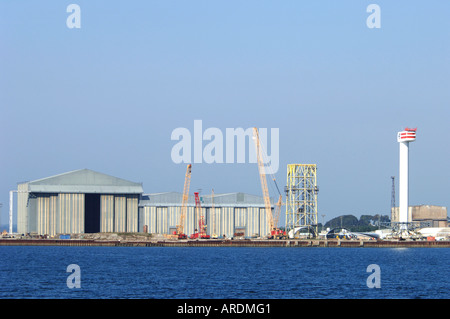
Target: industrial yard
[225,157]
[85,207]
[152,242]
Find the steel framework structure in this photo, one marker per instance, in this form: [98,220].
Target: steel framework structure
[301,196]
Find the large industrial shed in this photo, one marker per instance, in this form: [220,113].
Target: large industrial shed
[225,214]
[424,215]
[81,201]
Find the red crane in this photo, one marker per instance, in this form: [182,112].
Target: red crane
[201,231]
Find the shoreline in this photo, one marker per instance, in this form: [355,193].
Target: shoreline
[227,243]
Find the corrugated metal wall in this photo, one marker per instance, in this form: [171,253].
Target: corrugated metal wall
[211,227]
[253,224]
[132,214]
[106,213]
[148,218]
[173,218]
[167,219]
[264,225]
[51,214]
[64,213]
[161,219]
[120,214]
[189,225]
[22,212]
[46,214]
[225,221]
[70,217]
[248,218]
[240,217]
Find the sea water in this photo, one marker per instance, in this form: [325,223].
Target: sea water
[222,272]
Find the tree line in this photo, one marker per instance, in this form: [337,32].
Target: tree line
[363,224]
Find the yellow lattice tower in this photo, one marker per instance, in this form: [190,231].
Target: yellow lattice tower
[301,197]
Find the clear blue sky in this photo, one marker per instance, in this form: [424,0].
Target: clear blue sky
[107,96]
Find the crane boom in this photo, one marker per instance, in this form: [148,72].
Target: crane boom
[274,231]
[187,183]
[201,231]
[262,175]
[278,211]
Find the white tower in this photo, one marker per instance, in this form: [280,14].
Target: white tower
[404,137]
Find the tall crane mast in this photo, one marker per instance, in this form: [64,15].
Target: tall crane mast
[271,221]
[278,211]
[187,183]
[262,175]
[201,231]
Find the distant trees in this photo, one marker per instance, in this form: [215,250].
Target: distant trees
[365,222]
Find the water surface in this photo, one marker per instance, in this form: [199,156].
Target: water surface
[223,272]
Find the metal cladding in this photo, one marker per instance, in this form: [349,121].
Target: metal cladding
[132,214]
[119,213]
[84,181]
[70,215]
[60,204]
[107,213]
[85,201]
[160,213]
[120,206]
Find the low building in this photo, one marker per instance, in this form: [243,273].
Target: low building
[424,215]
[81,201]
[85,201]
[438,233]
[225,214]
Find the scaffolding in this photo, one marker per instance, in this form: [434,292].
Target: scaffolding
[301,197]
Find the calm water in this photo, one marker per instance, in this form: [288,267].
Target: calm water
[216,272]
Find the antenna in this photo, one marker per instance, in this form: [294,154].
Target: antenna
[393,193]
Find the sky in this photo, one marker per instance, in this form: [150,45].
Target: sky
[108,95]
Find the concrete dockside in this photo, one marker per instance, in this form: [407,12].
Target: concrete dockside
[225,243]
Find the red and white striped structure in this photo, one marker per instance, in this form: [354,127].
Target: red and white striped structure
[404,137]
[408,135]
